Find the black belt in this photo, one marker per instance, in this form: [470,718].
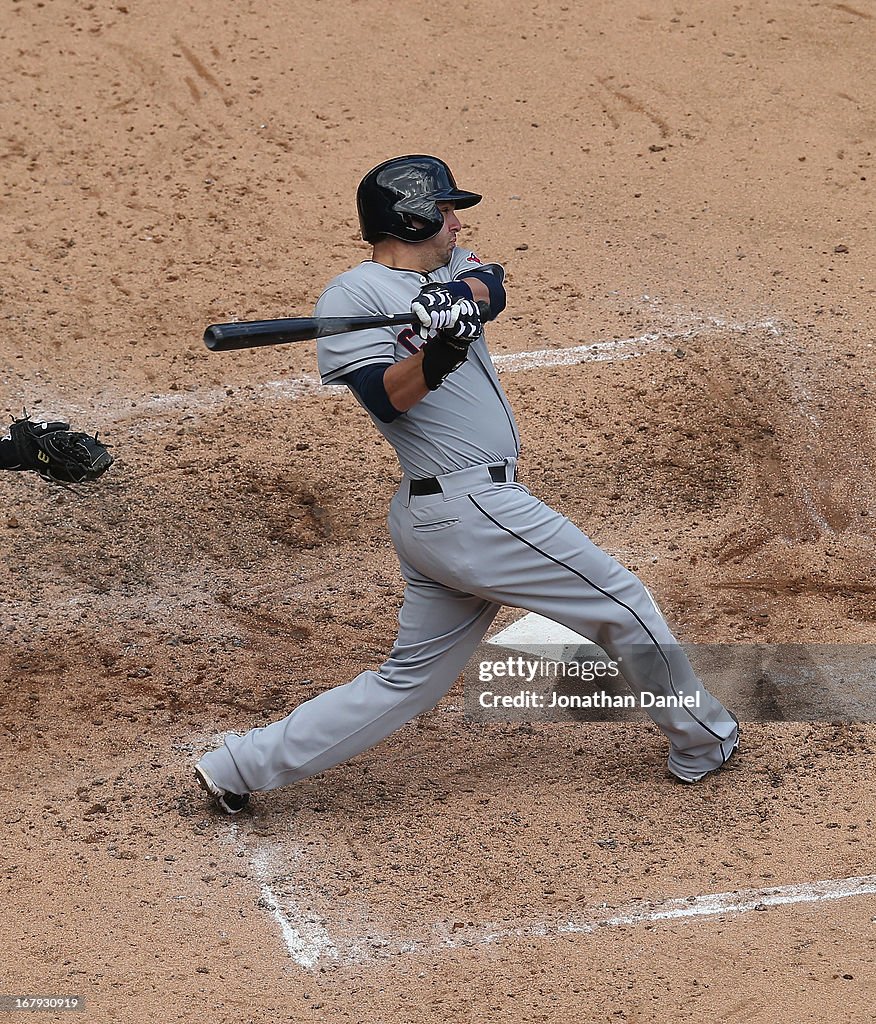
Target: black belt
[430,484]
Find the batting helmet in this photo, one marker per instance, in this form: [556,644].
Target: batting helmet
[405,187]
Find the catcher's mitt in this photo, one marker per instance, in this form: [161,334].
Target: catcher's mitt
[59,454]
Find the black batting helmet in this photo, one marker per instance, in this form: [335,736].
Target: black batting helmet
[407,186]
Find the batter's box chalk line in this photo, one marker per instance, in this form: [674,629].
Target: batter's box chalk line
[151,409]
[311,945]
[304,935]
[628,348]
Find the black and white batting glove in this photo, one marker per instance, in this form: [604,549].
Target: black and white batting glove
[432,308]
[447,349]
[464,322]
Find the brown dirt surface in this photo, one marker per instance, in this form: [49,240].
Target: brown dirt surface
[700,173]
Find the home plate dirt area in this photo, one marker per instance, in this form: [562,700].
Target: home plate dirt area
[682,199]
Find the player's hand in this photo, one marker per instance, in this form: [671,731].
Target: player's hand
[432,308]
[447,349]
[464,323]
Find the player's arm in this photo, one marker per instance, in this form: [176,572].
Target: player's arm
[482,282]
[366,361]
[487,289]
[390,390]
[404,382]
[484,286]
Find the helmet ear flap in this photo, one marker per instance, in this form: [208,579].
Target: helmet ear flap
[416,224]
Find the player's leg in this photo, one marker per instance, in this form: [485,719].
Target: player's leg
[511,548]
[439,629]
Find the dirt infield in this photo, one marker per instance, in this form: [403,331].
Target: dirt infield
[681,193]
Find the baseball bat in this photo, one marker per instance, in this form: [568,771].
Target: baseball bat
[255,333]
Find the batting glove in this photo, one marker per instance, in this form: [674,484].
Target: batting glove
[432,308]
[447,349]
[464,322]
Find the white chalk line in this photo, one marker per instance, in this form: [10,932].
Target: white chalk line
[305,936]
[306,950]
[309,944]
[118,409]
[626,348]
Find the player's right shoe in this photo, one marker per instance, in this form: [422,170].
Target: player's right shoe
[230,803]
[691,780]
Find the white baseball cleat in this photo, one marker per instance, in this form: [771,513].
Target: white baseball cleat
[230,803]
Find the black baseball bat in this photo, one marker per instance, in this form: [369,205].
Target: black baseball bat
[255,333]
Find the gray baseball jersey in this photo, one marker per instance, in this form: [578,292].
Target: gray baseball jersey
[468,420]
[479,541]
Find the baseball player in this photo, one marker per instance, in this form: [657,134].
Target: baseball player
[469,537]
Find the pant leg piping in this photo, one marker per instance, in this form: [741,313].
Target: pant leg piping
[605,593]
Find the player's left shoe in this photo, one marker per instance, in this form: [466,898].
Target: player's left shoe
[230,803]
[727,755]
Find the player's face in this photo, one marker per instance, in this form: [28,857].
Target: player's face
[436,251]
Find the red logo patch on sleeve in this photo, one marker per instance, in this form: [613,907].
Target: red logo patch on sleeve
[473,259]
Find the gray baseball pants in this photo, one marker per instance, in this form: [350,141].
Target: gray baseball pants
[464,553]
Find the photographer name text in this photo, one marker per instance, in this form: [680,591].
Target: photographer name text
[597,699]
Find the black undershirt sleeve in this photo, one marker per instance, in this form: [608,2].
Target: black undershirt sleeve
[367,382]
